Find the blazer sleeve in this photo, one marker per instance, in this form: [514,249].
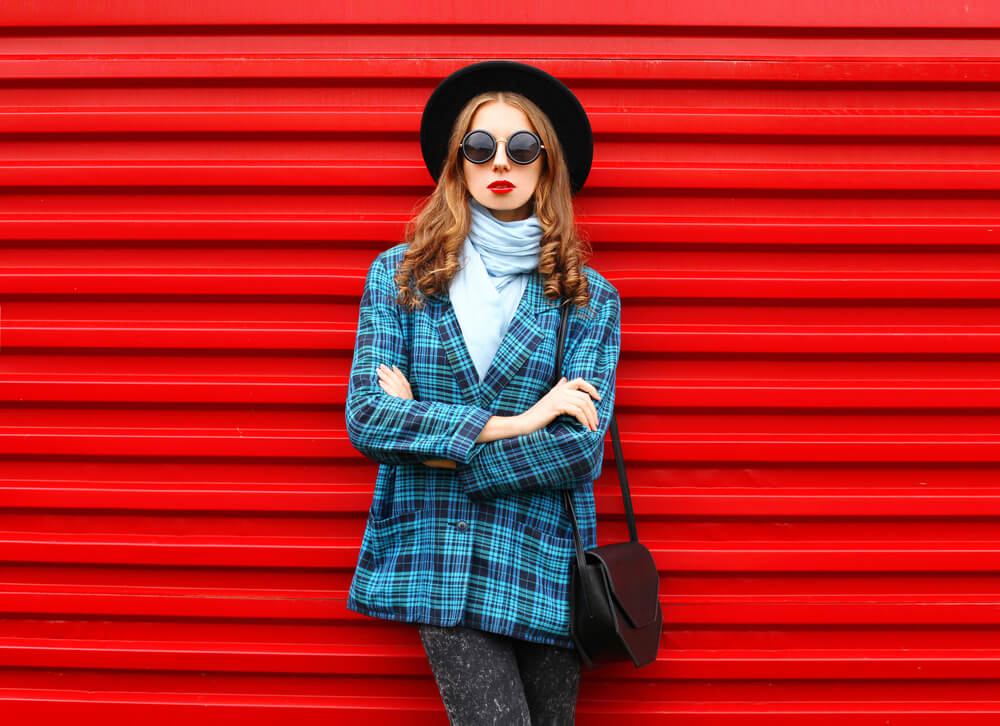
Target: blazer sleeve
[386,428]
[563,454]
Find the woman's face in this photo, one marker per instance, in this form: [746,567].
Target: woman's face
[502,120]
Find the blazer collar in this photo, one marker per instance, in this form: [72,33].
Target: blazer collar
[522,337]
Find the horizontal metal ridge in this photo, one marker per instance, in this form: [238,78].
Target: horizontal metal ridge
[862,501]
[409,659]
[196,708]
[196,551]
[270,610]
[924,284]
[235,496]
[180,65]
[820,338]
[441,17]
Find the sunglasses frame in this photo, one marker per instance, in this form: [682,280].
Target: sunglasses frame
[496,145]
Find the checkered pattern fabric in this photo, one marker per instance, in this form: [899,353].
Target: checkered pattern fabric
[488,544]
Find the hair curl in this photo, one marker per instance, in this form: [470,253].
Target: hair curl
[436,234]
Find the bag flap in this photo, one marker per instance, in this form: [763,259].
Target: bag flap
[633,579]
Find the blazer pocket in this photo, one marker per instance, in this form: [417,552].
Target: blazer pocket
[387,534]
[554,552]
[386,581]
[560,539]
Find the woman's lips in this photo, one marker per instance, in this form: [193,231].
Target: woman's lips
[501,187]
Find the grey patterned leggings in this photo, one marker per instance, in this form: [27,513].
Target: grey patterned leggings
[485,678]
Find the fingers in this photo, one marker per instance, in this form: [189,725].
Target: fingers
[579,405]
[393,382]
[582,385]
[389,388]
[580,413]
[581,402]
[582,392]
[591,410]
[393,372]
[388,380]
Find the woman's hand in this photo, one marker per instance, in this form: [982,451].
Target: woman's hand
[569,397]
[393,382]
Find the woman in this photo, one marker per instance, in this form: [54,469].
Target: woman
[453,390]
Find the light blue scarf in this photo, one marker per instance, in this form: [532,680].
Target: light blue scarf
[495,263]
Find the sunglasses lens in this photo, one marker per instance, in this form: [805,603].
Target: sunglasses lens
[478,147]
[523,147]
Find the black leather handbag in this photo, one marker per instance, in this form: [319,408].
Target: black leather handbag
[615,612]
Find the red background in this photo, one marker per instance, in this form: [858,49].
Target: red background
[797,200]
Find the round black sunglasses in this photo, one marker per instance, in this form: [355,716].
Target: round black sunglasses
[523,147]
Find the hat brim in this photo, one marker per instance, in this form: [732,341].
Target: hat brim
[564,110]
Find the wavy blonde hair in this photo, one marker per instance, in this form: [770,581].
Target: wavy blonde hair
[436,234]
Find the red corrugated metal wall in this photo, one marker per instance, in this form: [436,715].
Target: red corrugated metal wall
[797,201]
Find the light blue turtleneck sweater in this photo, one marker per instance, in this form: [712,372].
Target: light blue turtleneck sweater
[495,262]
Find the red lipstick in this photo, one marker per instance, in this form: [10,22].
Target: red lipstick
[501,186]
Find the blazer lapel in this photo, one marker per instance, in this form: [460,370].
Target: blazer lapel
[521,339]
[458,353]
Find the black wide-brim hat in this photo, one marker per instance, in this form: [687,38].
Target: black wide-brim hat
[547,92]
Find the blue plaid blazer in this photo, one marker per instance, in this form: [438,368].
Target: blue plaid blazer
[486,545]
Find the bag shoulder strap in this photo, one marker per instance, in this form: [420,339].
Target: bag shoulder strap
[616,444]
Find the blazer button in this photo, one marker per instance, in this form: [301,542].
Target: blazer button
[462,526]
